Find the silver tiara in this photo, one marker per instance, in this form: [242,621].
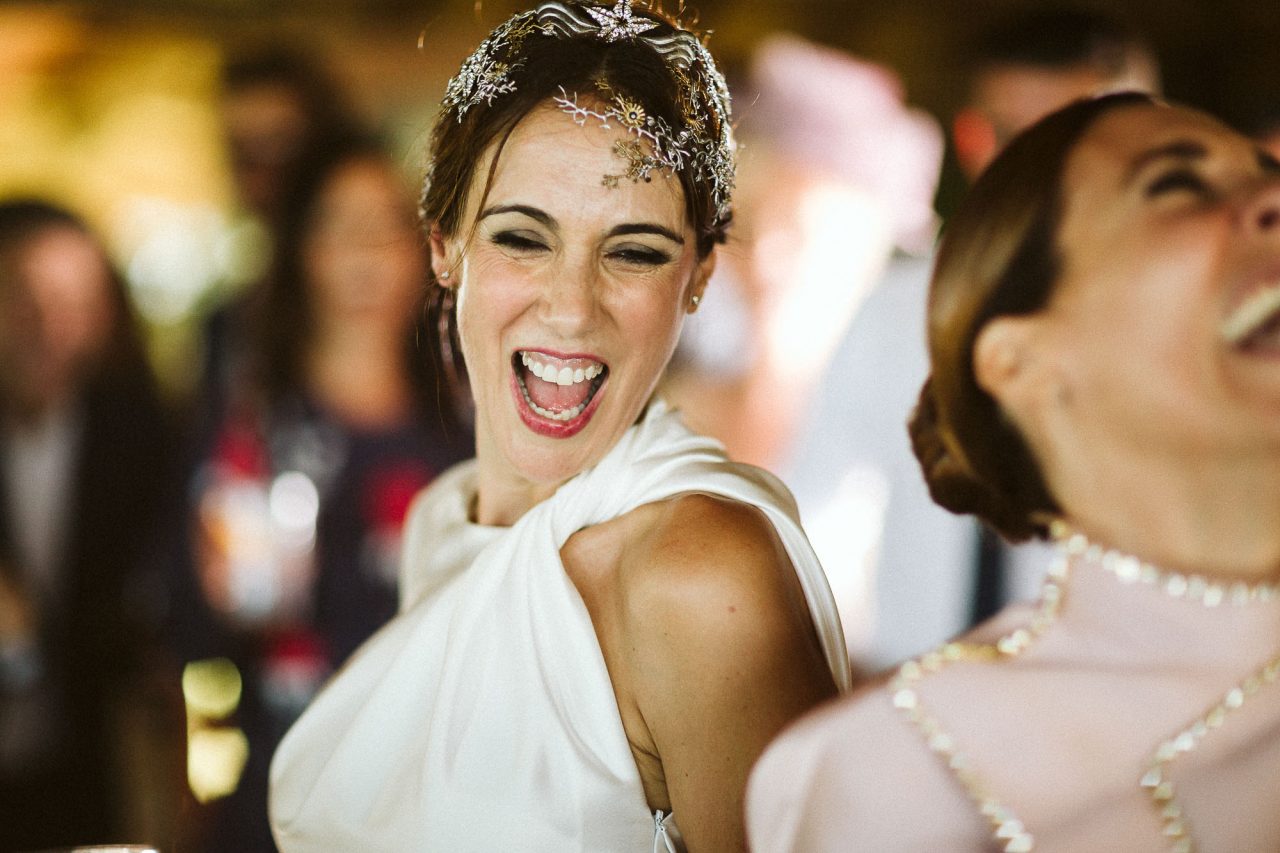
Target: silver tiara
[703,143]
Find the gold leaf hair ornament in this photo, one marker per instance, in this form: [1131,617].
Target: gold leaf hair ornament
[704,141]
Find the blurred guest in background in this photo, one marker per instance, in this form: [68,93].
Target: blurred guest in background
[1104,326]
[1037,61]
[277,103]
[835,172]
[908,574]
[298,502]
[83,454]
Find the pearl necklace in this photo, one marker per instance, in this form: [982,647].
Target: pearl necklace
[1132,570]
[1007,828]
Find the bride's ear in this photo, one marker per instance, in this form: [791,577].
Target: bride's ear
[701,275]
[441,264]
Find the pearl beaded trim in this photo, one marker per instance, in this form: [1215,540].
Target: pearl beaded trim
[1156,780]
[1130,570]
[1006,827]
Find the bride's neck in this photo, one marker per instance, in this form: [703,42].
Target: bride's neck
[502,497]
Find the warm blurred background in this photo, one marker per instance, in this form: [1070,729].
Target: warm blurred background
[119,111]
[112,106]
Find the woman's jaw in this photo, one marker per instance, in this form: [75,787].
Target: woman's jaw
[557,394]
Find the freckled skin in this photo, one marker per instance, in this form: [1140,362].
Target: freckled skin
[577,293]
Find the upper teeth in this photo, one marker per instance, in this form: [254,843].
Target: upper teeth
[1252,314]
[559,375]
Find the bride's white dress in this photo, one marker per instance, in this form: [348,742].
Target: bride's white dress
[482,718]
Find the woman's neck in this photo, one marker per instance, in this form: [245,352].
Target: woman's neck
[1199,517]
[502,495]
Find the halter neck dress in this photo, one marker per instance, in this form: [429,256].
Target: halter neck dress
[483,717]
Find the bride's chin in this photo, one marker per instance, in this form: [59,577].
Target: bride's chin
[547,467]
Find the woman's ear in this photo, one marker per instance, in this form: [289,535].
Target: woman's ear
[441,264]
[701,275]
[1002,358]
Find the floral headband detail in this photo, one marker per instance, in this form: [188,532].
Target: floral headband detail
[704,145]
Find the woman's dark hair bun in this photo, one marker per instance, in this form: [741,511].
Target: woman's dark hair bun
[952,485]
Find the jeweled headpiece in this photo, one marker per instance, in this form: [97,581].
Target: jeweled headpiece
[704,140]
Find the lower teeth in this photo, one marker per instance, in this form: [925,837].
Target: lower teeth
[567,415]
[556,416]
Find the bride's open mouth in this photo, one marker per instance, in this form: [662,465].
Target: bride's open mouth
[557,392]
[1254,325]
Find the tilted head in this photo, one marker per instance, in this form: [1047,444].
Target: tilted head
[1106,300]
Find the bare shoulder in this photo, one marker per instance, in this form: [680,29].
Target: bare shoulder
[706,559]
[721,652]
[707,590]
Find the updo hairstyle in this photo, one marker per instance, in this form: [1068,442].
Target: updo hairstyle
[998,257]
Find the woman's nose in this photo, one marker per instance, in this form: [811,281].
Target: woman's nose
[569,299]
[1263,213]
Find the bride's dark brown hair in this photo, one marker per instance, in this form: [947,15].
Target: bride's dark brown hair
[999,256]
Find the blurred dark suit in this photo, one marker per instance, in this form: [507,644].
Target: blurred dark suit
[91,619]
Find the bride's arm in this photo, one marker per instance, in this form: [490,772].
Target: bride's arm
[722,654]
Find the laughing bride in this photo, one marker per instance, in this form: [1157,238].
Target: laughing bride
[603,620]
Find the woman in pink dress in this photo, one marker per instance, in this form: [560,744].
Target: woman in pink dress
[1104,330]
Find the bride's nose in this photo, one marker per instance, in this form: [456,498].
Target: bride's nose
[570,299]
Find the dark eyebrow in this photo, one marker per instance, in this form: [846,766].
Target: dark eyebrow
[533,213]
[541,216]
[1182,149]
[647,228]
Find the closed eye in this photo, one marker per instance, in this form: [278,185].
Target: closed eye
[520,242]
[640,256]
[1178,180]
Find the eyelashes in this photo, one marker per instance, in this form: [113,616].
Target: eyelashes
[633,255]
[643,257]
[519,242]
[1180,179]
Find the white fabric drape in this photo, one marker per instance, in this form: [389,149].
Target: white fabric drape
[483,717]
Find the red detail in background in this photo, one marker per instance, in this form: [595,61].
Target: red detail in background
[240,450]
[297,646]
[389,490]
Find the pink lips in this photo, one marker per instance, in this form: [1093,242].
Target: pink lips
[544,426]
